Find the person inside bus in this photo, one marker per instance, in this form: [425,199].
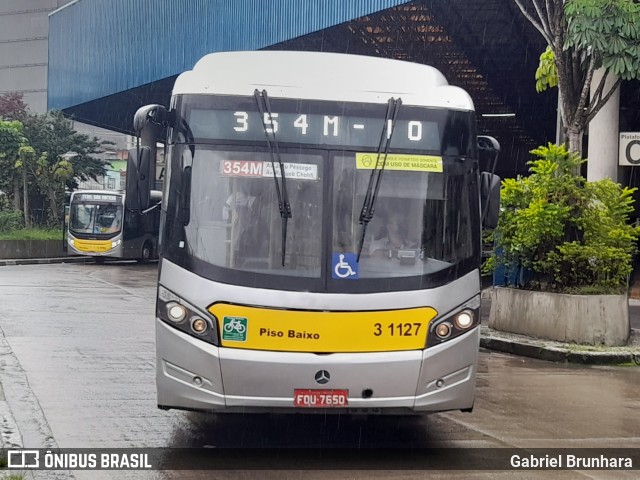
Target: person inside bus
[238,202]
[243,209]
[392,238]
[109,221]
[117,223]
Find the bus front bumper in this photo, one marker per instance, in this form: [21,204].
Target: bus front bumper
[95,248]
[195,375]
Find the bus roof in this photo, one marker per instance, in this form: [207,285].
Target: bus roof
[321,76]
[104,192]
[154,194]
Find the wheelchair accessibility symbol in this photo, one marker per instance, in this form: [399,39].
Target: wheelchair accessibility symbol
[345,266]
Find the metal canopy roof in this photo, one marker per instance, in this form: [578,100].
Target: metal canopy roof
[487,48]
[99,48]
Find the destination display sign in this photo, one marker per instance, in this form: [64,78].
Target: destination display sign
[318,129]
[97,197]
[250,168]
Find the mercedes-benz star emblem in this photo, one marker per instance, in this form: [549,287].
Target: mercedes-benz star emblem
[322,377]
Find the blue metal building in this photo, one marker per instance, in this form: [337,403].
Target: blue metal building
[108,58]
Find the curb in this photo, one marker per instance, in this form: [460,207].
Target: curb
[558,351]
[39,261]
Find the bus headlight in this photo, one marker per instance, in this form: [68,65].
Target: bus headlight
[116,243]
[443,330]
[199,325]
[454,323]
[464,319]
[178,313]
[72,241]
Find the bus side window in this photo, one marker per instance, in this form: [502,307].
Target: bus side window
[132,222]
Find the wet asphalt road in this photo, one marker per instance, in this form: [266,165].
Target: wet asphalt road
[78,370]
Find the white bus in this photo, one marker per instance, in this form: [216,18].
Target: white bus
[100,226]
[349,285]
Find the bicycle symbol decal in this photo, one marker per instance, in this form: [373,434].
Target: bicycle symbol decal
[345,266]
[234,329]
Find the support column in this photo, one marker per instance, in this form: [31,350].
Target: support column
[561,138]
[603,134]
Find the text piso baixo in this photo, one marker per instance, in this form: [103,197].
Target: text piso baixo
[267,332]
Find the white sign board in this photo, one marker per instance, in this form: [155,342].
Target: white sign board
[254,168]
[629,149]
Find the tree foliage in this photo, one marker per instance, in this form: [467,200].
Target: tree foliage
[609,30]
[584,35]
[12,106]
[26,156]
[547,73]
[10,220]
[64,157]
[569,234]
[11,138]
[52,135]
[41,156]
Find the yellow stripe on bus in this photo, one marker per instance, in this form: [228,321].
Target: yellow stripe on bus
[412,163]
[92,245]
[319,331]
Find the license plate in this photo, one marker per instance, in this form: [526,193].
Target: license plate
[306,398]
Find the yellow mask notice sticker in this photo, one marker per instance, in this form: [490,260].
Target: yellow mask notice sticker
[399,161]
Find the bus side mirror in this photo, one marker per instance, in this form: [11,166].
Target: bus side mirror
[65,227]
[488,151]
[489,199]
[138,186]
[149,114]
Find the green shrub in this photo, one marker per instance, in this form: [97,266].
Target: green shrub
[32,234]
[11,220]
[570,235]
[603,268]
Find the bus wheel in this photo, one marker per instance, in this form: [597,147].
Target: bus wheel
[145,255]
[98,260]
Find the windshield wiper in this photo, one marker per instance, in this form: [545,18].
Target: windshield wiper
[262,99]
[369,204]
[185,179]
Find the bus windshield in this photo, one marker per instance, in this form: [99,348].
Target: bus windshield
[95,218]
[422,223]
[426,211]
[235,221]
